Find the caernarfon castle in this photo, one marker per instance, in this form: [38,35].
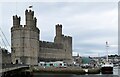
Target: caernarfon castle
[27,48]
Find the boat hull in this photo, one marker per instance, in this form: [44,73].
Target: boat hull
[107,70]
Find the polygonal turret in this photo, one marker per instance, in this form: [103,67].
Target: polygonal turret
[29,14]
[30,20]
[58,30]
[16,20]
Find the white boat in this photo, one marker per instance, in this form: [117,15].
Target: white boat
[107,68]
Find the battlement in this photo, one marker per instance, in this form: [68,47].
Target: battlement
[16,20]
[59,25]
[16,17]
[46,44]
[66,37]
[58,30]
[29,12]
[31,21]
[25,40]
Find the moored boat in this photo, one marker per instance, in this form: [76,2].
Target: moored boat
[107,69]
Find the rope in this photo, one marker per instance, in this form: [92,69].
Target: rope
[3,42]
[5,37]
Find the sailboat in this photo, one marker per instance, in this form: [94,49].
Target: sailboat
[107,68]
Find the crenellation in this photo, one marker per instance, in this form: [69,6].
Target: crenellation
[46,44]
[69,38]
[58,30]
[16,21]
[6,56]
[27,48]
[15,17]
[26,11]
[29,12]
[30,19]
[59,25]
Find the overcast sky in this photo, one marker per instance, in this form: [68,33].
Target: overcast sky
[90,24]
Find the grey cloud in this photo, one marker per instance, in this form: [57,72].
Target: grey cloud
[86,22]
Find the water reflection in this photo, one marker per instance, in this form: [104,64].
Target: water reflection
[116,74]
[119,72]
[71,75]
[54,75]
[116,71]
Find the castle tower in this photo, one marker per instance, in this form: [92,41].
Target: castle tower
[66,41]
[16,42]
[30,19]
[25,40]
[67,44]
[58,37]
[16,21]
[58,30]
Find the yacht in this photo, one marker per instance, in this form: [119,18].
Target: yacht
[107,68]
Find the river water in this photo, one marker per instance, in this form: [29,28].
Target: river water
[116,73]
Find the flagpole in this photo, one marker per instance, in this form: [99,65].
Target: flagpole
[107,50]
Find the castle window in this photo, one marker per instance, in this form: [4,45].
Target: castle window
[65,50]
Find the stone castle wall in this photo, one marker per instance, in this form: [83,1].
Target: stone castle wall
[46,44]
[28,49]
[50,51]
[25,40]
[5,56]
[67,42]
[25,43]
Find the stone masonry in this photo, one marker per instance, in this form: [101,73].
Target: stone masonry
[28,49]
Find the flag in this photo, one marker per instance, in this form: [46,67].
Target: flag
[30,6]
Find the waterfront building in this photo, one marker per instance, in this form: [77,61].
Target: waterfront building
[52,64]
[27,48]
[77,60]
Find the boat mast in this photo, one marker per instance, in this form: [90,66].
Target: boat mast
[107,50]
